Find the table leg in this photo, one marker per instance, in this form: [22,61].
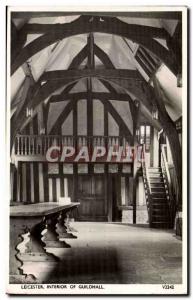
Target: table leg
[69,229]
[16,274]
[51,237]
[35,248]
[61,227]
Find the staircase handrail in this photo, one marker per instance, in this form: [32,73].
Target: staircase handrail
[147,183]
[168,181]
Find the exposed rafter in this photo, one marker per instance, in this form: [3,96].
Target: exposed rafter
[105,97]
[77,74]
[171,15]
[19,117]
[143,35]
[78,59]
[140,89]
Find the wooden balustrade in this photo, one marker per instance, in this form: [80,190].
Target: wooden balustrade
[39,144]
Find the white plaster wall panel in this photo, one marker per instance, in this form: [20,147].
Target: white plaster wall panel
[80,86]
[17,80]
[142,21]
[67,126]
[31,37]
[98,118]
[50,190]
[141,195]
[54,111]
[39,61]
[142,216]
[18,22]
[173,93]
[65,51]
[169,25]
[162,42]
[53,20]
[97,86]
[98,62]
[82,117]
[123,110]
[113,127]
[119,54]
[116,48]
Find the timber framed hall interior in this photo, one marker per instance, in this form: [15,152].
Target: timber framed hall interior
[106,79]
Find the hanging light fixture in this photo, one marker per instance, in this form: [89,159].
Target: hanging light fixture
[29,112]
[154,113]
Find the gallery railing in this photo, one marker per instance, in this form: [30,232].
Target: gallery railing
[39,144]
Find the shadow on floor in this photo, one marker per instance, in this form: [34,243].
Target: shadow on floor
[88,265]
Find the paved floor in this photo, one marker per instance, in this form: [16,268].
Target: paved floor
[115,253]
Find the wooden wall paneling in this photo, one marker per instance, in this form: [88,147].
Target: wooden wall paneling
[61,179]
[24,193]
[46,182]
[28,182]
[36,182]
[41,182]
[32,182]
[54,189]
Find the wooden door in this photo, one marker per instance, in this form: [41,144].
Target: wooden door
[91,195]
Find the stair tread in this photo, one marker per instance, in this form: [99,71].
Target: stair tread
[160,204]
[153,181]
[161,222]
[158,209]
[160,218]
[161,193]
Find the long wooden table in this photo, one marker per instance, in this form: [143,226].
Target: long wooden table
[34,218]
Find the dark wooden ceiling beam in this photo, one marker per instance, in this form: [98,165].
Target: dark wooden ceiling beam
[168,15]
[79,58]
[143,35]
[52,85]
[88,25]
[33,99]
[83,95]
[104,73]
[105,96]
[36,89]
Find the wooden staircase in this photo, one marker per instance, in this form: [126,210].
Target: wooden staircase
[160,210]
[159,198]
